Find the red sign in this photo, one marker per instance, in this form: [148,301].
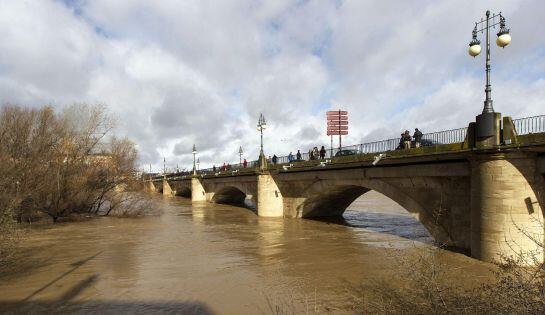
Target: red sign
[335,128]
[337,122]
[337,133]
[337,117]
[337,112]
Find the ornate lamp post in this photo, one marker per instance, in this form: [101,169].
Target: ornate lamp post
[194,153]
[164,167]
[488,123]
[240,155]
[475,49]
[261,125]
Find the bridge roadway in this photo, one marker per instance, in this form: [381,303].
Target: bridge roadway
[485,200]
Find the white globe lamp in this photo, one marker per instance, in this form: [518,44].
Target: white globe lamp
[474,50]
[503,40]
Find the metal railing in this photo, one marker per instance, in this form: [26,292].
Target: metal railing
[523,126]
[229,168]
[445,137]
[528,125]
[429,139]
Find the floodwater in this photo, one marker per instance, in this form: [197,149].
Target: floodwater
[217,259]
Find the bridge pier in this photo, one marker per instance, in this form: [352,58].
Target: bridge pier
[198,193]
[149,186]
[505,210]
[270,202]
[167,190]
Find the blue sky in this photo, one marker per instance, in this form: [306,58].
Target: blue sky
[182,72]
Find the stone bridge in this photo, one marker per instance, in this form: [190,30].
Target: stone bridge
[488,199]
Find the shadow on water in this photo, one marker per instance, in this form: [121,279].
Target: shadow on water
[23,263]
[110,307]
[79,288]
[75,266]
[65,303]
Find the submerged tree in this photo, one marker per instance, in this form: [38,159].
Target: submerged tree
[61,163]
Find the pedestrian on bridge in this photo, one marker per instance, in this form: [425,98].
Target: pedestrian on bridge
[245,163]
[214,168]
[322,153]
[274,159]
[401,142]
[290,157]
[417,136]
[407,140]
[298,155]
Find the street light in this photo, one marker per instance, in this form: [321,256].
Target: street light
[240,155]
[475,49]
[194,153]
[261,125]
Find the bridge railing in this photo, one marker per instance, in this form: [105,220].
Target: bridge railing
[528,125]
[444,137]
[428,139]
[523,126]
[229,168]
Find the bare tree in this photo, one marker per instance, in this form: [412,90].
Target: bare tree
[61,163]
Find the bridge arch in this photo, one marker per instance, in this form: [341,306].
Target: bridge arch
[180,188]
[229,195]
[159,187]
[331,197]
[184,192]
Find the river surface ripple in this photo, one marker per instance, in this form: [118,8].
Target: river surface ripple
[214,259]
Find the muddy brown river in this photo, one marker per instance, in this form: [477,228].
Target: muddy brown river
[218,259]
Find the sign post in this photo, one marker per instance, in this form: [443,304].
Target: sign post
[331,147]
[337,124]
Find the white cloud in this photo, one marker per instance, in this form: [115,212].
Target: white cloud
[178,73]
